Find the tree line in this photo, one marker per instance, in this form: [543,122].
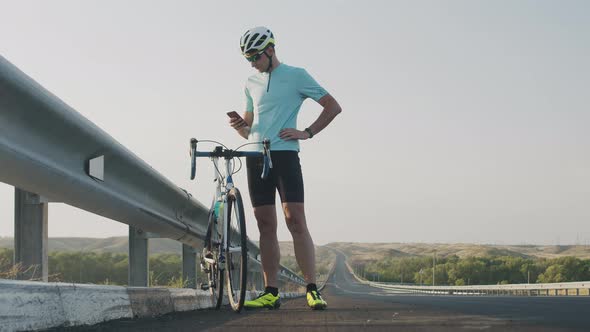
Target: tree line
[112,268]
[457,271]
[166,269]
[100,268]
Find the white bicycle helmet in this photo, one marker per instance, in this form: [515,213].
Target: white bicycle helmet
[256,40]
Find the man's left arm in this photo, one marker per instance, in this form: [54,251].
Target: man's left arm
[331,109]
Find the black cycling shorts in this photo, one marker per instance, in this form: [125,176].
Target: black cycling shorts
[285,176]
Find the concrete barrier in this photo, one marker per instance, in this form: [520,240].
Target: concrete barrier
[150,302]
[91,304]
[26,305]
[29,305]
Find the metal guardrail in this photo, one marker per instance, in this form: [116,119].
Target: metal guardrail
[510,289]
[48,148]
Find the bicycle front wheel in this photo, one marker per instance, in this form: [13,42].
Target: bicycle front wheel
[236,251]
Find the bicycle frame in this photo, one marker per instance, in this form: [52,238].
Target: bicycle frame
[228,183]
[221,195]
[220,242]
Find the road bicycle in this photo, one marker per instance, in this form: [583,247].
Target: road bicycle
[225,252]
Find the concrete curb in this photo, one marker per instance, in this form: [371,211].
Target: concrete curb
[29,305]
[92,304]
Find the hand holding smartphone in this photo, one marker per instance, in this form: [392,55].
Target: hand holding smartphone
[236,120]
[234,115]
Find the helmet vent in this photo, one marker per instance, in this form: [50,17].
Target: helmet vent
[260,41]
[252,39]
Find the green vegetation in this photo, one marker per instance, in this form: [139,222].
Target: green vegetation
[111,268]
[100,268]
[453,270]
[79,259]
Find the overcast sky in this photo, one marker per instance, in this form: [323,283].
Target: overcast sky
[463,121]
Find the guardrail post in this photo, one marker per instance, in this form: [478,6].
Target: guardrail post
[138,258]
[30,235]
[189,266]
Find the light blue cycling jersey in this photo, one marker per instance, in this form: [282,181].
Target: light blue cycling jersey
[277,104]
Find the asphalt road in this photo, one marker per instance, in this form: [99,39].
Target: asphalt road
[353,307]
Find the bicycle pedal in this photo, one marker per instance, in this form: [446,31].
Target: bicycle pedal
[205,287]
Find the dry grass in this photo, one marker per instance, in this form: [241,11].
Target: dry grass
[19,272]
[13,272]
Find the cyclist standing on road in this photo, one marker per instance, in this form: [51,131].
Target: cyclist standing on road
[273,98]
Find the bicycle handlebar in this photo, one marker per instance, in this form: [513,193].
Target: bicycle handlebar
[220,152]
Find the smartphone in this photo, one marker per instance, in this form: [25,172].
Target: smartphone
[234,115]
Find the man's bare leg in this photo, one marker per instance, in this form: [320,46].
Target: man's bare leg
[302,241]
[270,254]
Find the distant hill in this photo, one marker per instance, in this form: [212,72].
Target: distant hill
[378,251]
[361,251]
[119,244]
[110,244]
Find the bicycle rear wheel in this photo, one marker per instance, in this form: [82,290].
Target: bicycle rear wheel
[214,271]
[236,251]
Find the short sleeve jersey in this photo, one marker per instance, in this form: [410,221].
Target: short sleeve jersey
[276,104]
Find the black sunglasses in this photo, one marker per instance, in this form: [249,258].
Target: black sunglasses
[255,57]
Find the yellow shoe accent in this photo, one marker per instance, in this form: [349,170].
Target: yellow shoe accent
[265,300]
[315,300]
